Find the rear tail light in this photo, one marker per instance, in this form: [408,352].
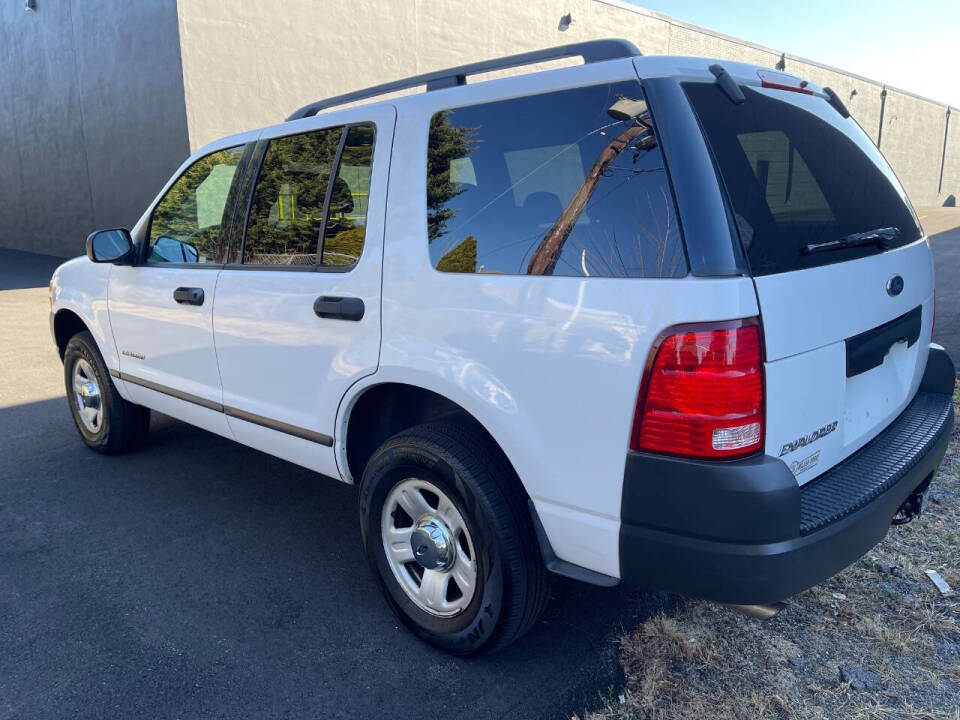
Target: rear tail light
[702,395]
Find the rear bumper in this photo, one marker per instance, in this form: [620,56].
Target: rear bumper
[745,532]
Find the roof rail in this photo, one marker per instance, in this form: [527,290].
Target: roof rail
[591,51]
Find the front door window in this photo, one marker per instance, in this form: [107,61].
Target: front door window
[185,225]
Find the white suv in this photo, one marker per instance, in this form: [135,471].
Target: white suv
[658,320]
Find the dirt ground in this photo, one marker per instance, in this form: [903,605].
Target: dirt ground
[877,641]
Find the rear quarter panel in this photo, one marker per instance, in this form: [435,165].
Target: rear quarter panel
[550,365]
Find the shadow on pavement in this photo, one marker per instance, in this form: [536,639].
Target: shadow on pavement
[198,577]
[19,270]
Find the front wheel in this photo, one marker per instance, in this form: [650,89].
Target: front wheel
[106,422]
[446,529]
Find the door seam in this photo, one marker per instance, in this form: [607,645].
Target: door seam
[213,337]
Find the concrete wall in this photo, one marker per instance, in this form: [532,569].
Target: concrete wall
[92,117]
[101,99]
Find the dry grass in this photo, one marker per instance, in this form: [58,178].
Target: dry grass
[702,661]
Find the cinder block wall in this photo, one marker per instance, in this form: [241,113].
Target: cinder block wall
[285,56]
[282,57]
[951,166]
[861,96]
[100,100]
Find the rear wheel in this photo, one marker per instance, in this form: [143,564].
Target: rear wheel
[106,422]
[447,531]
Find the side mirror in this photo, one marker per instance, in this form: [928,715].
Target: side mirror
[109,246]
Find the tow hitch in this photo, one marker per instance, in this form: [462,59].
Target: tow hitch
[913,505]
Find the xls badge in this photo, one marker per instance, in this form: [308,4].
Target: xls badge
[805,440]
[799,466]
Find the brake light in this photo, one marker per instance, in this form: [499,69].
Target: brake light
[776,80]
[702,396]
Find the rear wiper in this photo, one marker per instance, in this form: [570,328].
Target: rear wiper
[879,237]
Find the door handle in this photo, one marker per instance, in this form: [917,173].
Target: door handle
[188,296]
[339,308]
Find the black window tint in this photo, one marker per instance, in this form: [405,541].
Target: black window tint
[286,214]
[347,217]
[564,183]
[798,174]
[185,225]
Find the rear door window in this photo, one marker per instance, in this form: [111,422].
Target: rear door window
[298,216]
[569,183]
[347,213]
[797,174]
[286,215]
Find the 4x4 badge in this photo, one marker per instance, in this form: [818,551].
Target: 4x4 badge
[894,286]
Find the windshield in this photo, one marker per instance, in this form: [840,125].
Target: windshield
[797,175]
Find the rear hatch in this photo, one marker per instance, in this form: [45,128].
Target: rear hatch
[844,279]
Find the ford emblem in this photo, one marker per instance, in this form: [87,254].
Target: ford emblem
[894,286]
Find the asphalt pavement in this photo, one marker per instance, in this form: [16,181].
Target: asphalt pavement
[200,578]
[942,226]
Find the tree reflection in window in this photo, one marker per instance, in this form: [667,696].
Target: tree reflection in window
[185,225]
[447,144]
[564,183]
[347,217]
[287,225]
[286,215]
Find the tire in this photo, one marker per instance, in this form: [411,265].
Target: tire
[121,425]
[511,583]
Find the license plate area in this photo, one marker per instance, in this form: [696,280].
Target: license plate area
[867,350]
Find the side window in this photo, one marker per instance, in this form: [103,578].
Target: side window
[296,209]
[347,218]
[185,225]
[563,183]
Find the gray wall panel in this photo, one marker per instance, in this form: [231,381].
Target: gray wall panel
[98,120]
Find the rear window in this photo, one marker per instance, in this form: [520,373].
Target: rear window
[798,174]
[563,183]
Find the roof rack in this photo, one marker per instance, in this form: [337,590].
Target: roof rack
[591,51]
